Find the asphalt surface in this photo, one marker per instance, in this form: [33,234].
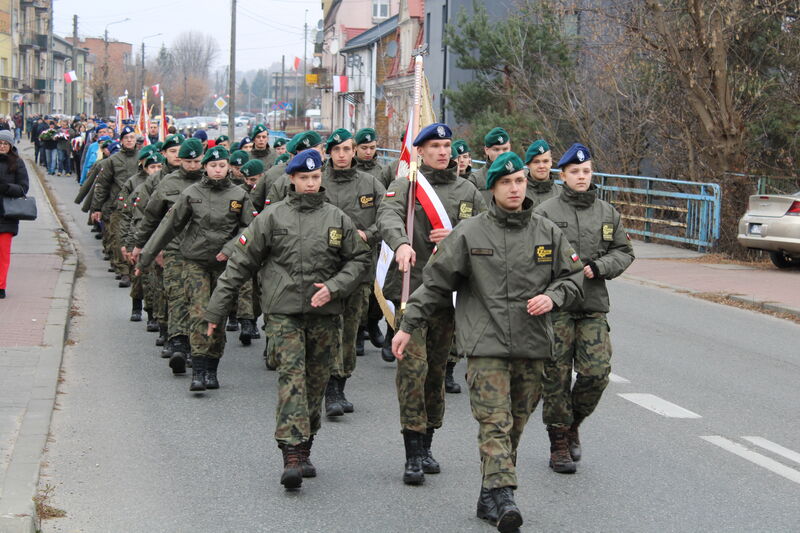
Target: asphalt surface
[133,450]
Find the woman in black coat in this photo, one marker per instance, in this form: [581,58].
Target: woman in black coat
[13,184]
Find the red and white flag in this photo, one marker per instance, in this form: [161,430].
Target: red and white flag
[297,61]
[340,84]
[156,88]
[70,76]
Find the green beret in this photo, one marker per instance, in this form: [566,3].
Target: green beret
[222,139]
[495,137]
[258,128]
[459,147]
[337,137]
[505,164]
[144,152]
[176,139]
[239,158]
[191,149]
[234,146]
[159,145]
[536,148]
[283,158]
[366,135]
[218,153]
[305,140]
[280,141]
[153,158]
[254,167]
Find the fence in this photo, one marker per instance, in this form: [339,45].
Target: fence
[687,212]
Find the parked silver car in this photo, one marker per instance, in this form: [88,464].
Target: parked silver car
[772,223]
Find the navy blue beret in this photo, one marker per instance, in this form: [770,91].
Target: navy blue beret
[305,161]
[437,130]
[245,140]
[201,134]
[576,154]
[126,131]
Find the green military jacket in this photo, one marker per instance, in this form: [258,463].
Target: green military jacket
[496,262]
[478,179]
[126,200]
[356,193]
[264,183]
[370,166]
[461,201]
[135,210]
[539,191]
[164,195]
[209,214]
[595,230]
[267,156]
[113,176]
[296,243]
[389,173]
[86,192]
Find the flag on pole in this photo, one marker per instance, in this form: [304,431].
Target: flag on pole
[70,76]
[340,84]
[143,123]
[156,88]
[163,128]
[297,61]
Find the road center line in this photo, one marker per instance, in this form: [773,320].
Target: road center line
[618,379]
[658,405]
[775,448]
[761,460]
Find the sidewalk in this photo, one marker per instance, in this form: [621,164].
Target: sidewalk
[33,321]
[773,289]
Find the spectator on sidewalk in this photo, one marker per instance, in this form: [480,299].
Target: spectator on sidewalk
[63,149]
[13,184]
[18,123]
[50,147]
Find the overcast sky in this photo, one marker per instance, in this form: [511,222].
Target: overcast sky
[265,28]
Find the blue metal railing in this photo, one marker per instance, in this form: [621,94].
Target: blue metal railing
[688,212]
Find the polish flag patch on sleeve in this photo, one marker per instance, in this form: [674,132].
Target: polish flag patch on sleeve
[390,194]
[242,240]
[267,202]
[574,257]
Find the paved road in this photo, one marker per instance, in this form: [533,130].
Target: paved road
[134,451]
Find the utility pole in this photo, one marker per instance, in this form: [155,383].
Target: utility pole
[305,62]
[232,74]
[73,88]
[142,83]
[51,75]
[283,85]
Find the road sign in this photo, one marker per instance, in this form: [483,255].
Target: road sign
[312,79]
[220,103]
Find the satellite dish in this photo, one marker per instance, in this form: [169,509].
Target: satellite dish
[319,38]
[316,62]
[334,47]
[320,24]
[391,49]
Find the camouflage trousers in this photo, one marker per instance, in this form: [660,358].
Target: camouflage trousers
[303,346]
[581,341]
[420,374]
[177,302]
[244,304]
[137,286]
[106,229]
[344,361]
[199,282]
[453,356]
[502,393]
[115,243]
[154,291]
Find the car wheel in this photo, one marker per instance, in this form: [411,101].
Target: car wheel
[781,260]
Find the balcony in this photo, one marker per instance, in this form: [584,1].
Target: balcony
[39,84]
[42,5]
[33,40]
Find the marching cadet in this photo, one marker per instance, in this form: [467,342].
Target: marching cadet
[310,253]
[224,141]
[120,167]
[245,144]
[209,214]
[261,150]
[251,171]
[420,375]
[280,146]
[510,269]
[280,187]
[582,341]
[163,197]
[238,158]
[496,142]
[125,209]
[463,158]
[299,142]
[539,162]
[359,195]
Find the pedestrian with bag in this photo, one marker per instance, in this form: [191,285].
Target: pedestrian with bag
[13,184]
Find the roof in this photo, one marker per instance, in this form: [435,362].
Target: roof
[352,33]
[372,35]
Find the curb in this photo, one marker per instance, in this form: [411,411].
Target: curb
[17,510]
[774,307]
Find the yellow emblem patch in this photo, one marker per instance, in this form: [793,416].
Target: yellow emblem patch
[608,232]
[335,237]
[464,210]
[236,206]
[366,201]
[543,254]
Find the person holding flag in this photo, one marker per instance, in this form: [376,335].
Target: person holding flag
[445,200]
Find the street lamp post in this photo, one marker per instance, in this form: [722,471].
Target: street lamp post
[105,63]
[144,84]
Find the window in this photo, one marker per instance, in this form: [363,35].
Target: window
[380,9]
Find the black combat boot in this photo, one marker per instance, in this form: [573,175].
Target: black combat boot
[116,276]
[333,406]
[233,324]
[415,451]
[309,470]
[359,344]
[374,332]
[244,332]
[256,334]
[450,384]
[136,310]
[162,335]
[124,281]
[386,351]
[152,323]
[560,461]
[292,476]
[198,375]
[429,464]
[212,363]
[487,509]
[347,407]
[509,519]
[178,360]
[169,347]
[574,441]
